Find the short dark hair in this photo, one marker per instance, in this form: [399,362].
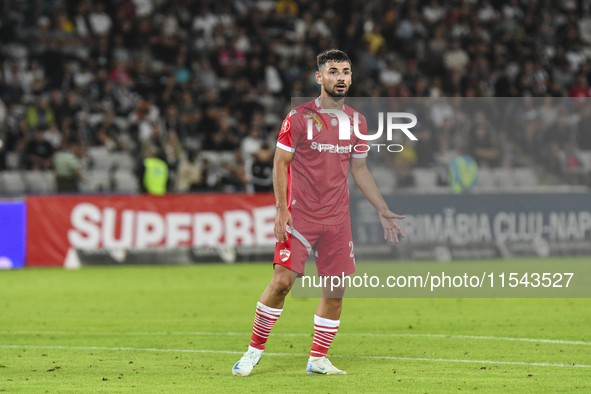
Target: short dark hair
[332,55]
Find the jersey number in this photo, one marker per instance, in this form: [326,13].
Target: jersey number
[352,254]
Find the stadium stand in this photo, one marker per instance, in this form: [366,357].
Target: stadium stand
[203,76]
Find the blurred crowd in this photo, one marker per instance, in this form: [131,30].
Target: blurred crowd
[175,78]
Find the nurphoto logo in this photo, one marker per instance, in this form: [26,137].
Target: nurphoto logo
[346,129]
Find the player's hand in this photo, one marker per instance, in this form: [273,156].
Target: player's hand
[391,228]
[282,219]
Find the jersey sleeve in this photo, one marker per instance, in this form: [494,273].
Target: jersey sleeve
[290,132]
[360,147]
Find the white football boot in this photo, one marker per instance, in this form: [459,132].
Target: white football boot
[250,359]
[322,365]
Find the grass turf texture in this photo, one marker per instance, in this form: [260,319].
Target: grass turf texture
[60,332]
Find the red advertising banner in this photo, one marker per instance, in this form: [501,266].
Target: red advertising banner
[55,224]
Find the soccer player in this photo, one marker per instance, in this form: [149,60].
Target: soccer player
[312,196]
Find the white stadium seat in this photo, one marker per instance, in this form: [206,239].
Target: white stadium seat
[95,181]
[100,158]
[125,181]
[486,178]
[585,158]
[216,159]
[13,182]
[40,181]
[525,176]
[123,161]
[425,178]
[504,177]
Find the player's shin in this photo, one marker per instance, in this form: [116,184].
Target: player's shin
[264,319]
[324,332]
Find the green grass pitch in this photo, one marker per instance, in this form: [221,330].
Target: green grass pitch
[181,329]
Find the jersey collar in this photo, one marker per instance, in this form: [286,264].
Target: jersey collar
[317,102]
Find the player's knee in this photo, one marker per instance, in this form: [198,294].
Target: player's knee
[336,294]
[282,284]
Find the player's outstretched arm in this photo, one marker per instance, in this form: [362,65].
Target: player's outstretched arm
[283,217]
[369,189]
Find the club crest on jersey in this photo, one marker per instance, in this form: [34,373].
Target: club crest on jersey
[284,254]
[285,126]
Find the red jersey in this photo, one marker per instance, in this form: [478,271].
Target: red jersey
[317,188]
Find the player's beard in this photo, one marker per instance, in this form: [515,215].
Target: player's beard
[336,94]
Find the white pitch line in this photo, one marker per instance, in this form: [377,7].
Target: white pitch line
[559,341]
[296,355]
[201,333]
[129,333]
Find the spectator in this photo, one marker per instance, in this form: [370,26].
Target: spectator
[512,10]
[39,152]
[173,149]
[262,170]
[486,13]
[251,144]
[375,39]
[455,59]
[100,22]
[16,136]
[581,88]
[107,133]
[390,77]
[53,136]
[426,148]
[67,167]
[190,115]
[584,132]
[40,115]
[403,163]
[433,12]
[233,178]
[190,174]
[576,57]
[181,72]
[507,151]
[205,22]
[224,139]
[557,139]
[153,174]
[172,122]
[483,148]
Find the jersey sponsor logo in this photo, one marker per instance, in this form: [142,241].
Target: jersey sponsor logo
[284,254]
[316,115]
[330,148]
[285,126]
[310,117]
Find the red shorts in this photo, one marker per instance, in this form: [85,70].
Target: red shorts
[332,247]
